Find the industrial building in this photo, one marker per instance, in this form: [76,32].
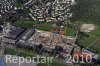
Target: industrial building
[27,34]
[13,35]
[23,41]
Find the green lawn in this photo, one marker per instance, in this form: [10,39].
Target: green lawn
[45,27]
[11,51]
[30,24]
[42,26]
[94,35]
[88,11]
[96,32]
[87,41]
[25,54]
[96,46]
[70,32]
[25,24]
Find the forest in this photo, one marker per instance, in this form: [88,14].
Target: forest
[87,10]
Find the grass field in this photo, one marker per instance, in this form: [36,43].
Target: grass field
[70,32]
[25,24]
[30,24]
[42,26]
[87,41]
[95,47]
[11,51]
[94,35]
[96,32]
[45,27]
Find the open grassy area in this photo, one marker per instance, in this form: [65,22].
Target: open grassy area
[11,51]
[96,32]
[94,35]
[42,26]
[30,24]
[45,27]
[70,32]
[25,24]
[92,42]
[87,41]
[96,46]
[26,54]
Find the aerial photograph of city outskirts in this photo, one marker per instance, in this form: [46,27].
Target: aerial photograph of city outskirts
[49,32]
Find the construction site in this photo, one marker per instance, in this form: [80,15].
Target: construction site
[51,40]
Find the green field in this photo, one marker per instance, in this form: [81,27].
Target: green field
[42,26]
[70,32]
[96,32]
[25,24]
[96,46]
[87,41]
[30,24]
[92,41]
[94,35]
[45,27]
[11,51]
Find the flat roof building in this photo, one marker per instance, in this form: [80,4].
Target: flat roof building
[14,33]
[27,34]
